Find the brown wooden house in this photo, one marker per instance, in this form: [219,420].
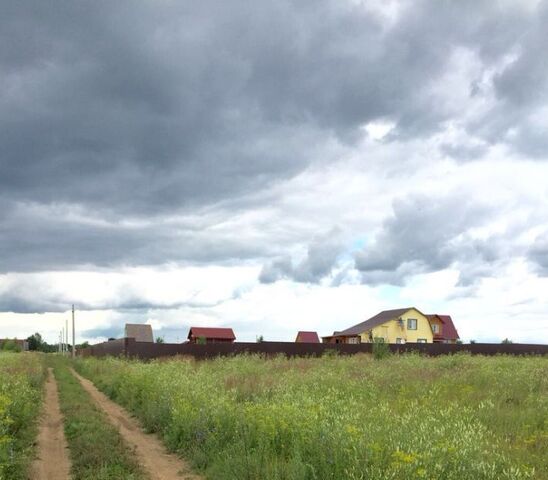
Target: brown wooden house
[139,331]
[211,335]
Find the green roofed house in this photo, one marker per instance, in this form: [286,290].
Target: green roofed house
[139,331]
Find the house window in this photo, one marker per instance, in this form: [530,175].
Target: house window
[435,328]
[353,340]
[422,340]
[399,340]
[411,324]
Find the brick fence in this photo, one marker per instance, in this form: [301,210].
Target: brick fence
[128,347]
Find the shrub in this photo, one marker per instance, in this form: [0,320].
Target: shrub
[11,346]
[381,349]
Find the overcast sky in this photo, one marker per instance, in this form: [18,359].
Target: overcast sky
[273,166]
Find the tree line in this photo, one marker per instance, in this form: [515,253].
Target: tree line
[36,344]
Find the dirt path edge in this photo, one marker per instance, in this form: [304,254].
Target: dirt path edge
[52,462]
[151,453]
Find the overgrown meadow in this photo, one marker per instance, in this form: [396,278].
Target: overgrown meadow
[21,380]
[453,417]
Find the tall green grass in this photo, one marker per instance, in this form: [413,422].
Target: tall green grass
[455,417]
[21,380]
[97,450]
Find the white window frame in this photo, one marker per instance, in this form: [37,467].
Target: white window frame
[435,328]
[409,320]
[422,340]
[400,341]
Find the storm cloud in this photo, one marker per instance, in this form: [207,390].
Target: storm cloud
[538,254]
[257,146]
[321,257]
[428,234]
[132,109]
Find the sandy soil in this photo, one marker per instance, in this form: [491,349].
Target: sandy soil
[152,454]
[52,462]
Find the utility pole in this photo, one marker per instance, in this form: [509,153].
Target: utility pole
[59,346]
[73,335]
[63,340]
[66,336]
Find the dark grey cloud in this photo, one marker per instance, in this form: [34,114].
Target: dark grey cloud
[140,110]
[464,152]
[320,259]
[538,254]
[34,295]
[111,331]
[524,82]
[518,118]
[427,234]
[31,240]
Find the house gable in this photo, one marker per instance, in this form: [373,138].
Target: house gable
[437,325]
[447,333]
[409,326]
[400,325]
[307,337]
[139,331]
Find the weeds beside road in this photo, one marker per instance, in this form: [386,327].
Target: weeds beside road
[455,417]
[21,380]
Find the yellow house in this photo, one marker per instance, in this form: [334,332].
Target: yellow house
[403,325]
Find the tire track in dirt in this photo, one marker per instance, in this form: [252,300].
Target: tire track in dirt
[52,462]
[151,453]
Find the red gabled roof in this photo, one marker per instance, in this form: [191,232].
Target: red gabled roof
[307,337]
[449,332]
[207,332]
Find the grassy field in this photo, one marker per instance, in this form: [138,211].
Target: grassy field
[21,380]
[96,449]
[453,417]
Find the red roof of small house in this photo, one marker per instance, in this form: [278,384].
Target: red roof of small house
[214,332]
[307,337]
[449,332]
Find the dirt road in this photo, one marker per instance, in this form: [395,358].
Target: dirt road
[52,462]
[151,453]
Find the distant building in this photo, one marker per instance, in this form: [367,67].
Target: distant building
[139,331]
[307,337]
[443,328]
[22,344]
[211,335]
[403,325]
